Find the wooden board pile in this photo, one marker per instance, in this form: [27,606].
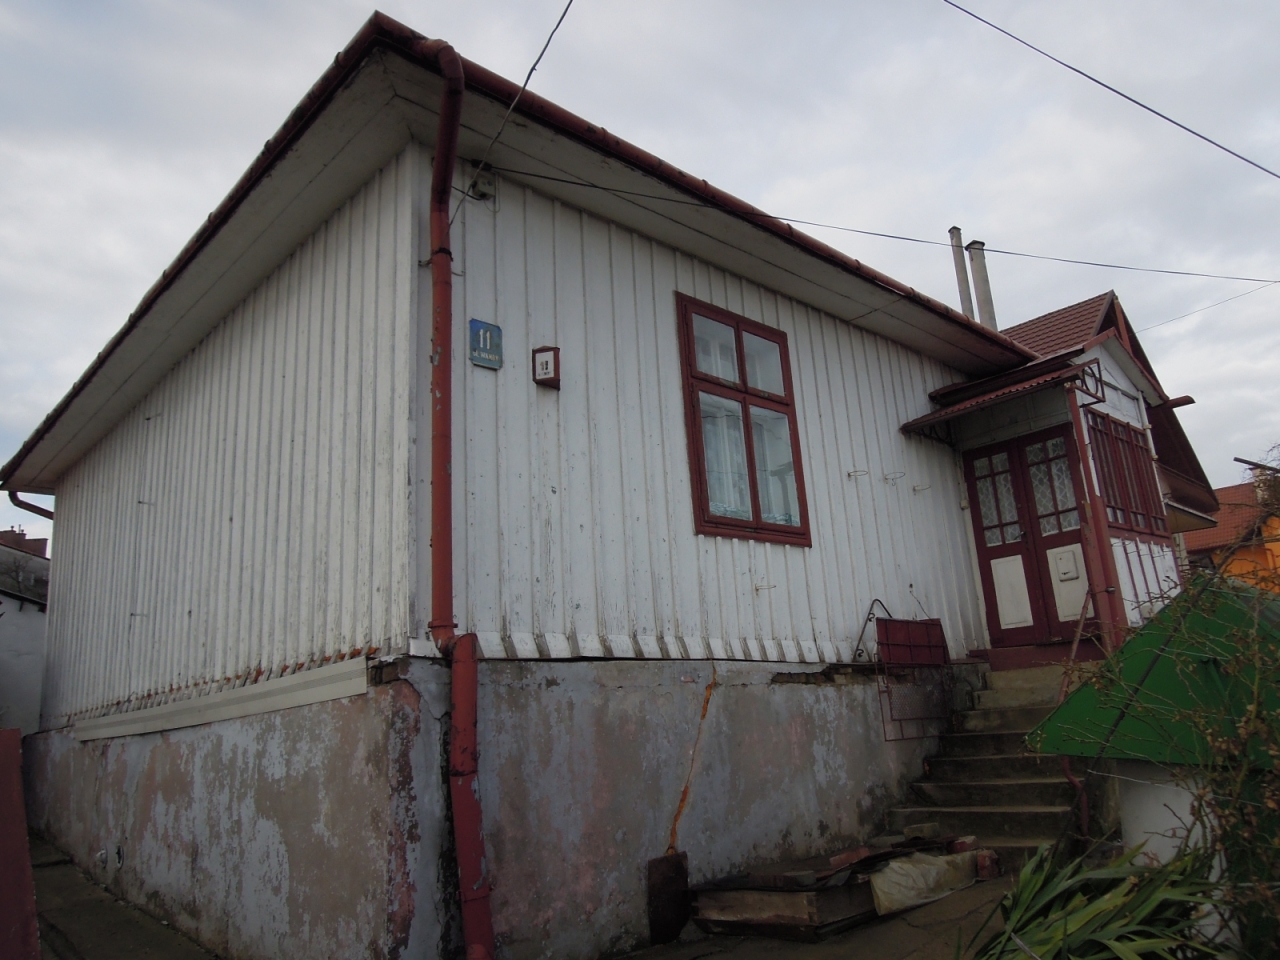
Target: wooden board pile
[815,898]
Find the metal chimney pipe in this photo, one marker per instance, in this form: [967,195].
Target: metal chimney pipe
[981,284]
[962,272]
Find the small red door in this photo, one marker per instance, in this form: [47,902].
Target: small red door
[1026,519]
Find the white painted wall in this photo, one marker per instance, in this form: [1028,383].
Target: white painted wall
[1155,809]
[252,515]
[574,530]
[1147,567]
[256,514]
[22,625]
[1123,400]
[1149,576]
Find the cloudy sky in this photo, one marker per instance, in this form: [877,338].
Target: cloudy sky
[122,124]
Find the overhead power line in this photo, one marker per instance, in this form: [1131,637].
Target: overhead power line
[891,236]
[1270,283]
[1119,93]
[507,116]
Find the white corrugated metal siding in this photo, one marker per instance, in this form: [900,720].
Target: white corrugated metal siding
[574,530]
[251,517]
[1149,576]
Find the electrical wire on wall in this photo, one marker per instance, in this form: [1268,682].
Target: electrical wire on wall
[507,116]
[617,191]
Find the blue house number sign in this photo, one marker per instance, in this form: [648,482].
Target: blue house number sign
[486,344]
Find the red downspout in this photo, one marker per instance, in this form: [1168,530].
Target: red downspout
[1100,564]
[464,792]
[29,507]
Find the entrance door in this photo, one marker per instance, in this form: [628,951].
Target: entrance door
[1026,519]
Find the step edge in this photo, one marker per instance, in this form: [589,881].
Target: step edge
[1024,782]
[991,809]
[1002,758]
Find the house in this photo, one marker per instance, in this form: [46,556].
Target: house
[1246,542]
[24,592]
[440,543]
[1079,478]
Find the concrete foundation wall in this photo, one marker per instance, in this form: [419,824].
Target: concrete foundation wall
[583,763]
[322,831]
[312,832]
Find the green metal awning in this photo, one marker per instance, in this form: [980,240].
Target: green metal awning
[1189,673]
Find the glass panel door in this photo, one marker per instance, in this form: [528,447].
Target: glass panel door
[1026,518]
[1010,577]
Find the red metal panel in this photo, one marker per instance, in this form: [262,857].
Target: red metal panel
[19,935]
[911,642]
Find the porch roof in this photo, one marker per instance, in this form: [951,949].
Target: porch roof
[922,425]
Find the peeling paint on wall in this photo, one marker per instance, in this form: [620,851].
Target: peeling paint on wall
[582,765]
[322,831]
[297,833]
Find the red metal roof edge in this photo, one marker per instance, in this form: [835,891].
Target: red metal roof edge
[954,393]
[381,30]
[977,403]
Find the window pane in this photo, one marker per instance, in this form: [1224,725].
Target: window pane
[713,344]
[981,467]
[1000,462]
[993,536]
[775,467]
[764,364]
[1040,487]
[1012,533]
[1048,525]
[725,449]
[1062,484]
[987,503]
[1004,488]
[1071,520]
[1035,453]
[1057,447]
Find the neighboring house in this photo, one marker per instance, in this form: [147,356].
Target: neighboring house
[24,594]
[1246,542]
[647,453]
[1054,548]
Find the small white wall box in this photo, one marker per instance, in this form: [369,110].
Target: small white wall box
[546,367]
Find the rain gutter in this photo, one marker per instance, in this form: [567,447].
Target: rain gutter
[464,792]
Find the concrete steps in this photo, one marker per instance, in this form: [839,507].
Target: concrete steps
[1007,766]
[988,824]
[1003,719]
[1038,792]
[985,744]
[984,782]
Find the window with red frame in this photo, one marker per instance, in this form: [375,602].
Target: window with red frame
[1123,460]
[744,449]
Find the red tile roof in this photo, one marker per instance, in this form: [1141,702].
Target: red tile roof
[1061,329]
[1239,513]
[20,541]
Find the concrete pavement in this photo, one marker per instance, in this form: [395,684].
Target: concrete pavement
[926,933]
[81,920]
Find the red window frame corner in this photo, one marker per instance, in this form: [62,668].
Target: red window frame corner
[704,522]
[1126,471]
